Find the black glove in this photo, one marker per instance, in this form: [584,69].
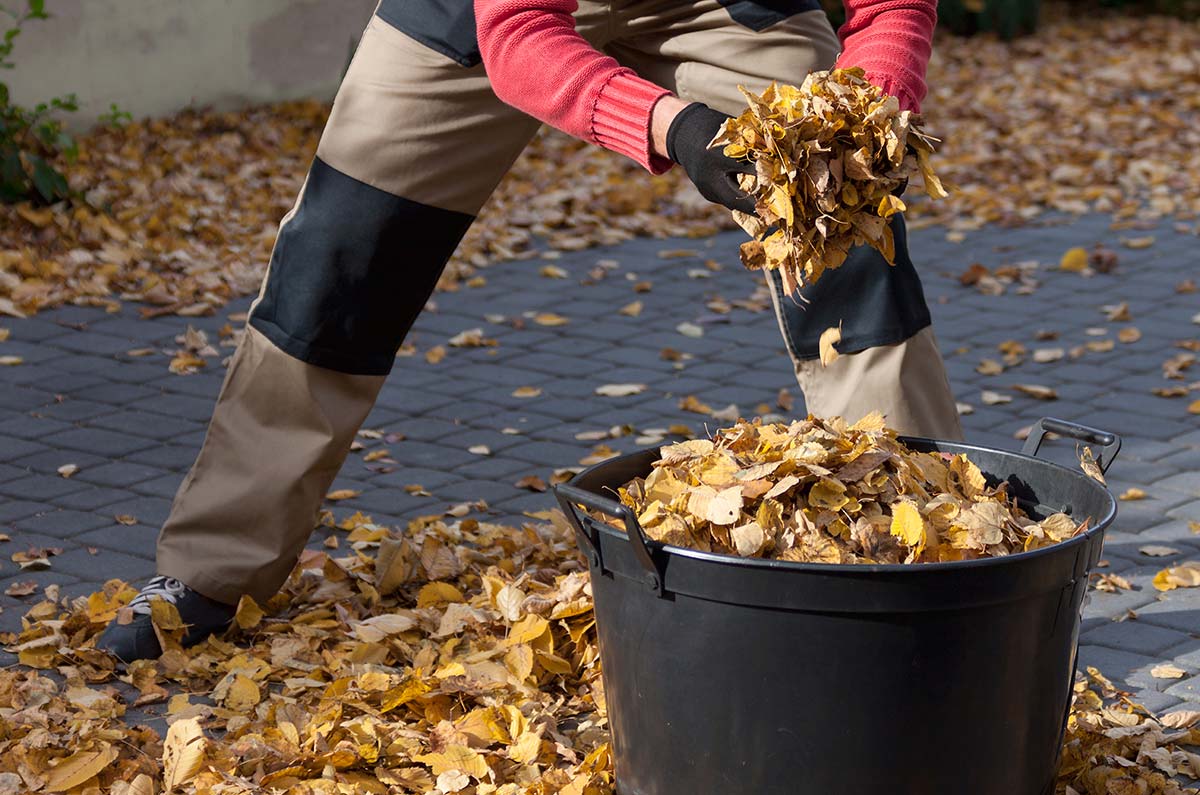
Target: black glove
[712,172]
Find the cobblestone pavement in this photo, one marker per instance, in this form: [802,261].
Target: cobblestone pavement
[133,428]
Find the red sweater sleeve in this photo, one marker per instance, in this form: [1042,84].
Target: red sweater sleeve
[892,41]
[539,64]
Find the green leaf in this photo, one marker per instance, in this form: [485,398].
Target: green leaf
[14,182]
[37,6]
[50,183]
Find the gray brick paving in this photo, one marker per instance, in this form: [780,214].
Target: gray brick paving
[134,428]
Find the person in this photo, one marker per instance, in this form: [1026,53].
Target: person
[439,99]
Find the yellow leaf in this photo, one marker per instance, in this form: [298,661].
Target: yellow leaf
[909,526]
[183,753]
[438,593]
[79,768]
[1132,493]
[829,338]
[456,757]
[550,319]
[1075,260]
[1185,575]
[342,494]
[243,694]
[248,614]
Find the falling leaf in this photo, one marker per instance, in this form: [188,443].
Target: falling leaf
[830,337]
[620,390]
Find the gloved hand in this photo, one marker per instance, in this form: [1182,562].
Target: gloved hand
[712,172]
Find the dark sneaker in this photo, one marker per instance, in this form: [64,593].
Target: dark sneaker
[136,640]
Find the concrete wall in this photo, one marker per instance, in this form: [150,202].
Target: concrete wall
[153,57]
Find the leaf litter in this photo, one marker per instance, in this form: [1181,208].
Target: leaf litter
[457,656]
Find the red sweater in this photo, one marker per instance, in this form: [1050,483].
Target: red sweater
[539,64]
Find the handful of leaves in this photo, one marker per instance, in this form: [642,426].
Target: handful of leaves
[829,158]
[822,491]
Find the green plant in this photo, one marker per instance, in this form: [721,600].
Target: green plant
[32,138]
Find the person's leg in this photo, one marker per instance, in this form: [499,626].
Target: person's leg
[890,363]
[415,144]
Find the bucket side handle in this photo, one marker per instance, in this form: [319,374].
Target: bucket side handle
[1110,443]
[569,497]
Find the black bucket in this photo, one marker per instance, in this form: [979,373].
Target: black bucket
[757,677]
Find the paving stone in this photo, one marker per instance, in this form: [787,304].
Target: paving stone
[61,523]
[28,426]
[90,499]
[40,487]
[176,458]
[120,474]
[98,441]
[1134,636]
[11,510]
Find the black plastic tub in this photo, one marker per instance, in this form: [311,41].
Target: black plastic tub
[754,677]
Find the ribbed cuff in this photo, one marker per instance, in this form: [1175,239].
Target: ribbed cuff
[621,118]
[896,88]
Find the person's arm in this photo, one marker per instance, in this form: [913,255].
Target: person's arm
[892,41]
[538,63]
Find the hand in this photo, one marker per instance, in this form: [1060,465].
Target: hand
[686,142]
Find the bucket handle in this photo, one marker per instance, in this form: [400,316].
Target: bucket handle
[1110,443]
[571,496]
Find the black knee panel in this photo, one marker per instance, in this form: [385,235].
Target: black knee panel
[876,303]
[351,271]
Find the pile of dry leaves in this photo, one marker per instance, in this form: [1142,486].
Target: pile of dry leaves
[457,658]
[819,491]
[829,159]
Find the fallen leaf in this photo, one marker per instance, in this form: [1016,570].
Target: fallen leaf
[1036,391]
[1167,671]
[527,392]
[67,470]
[620,390]
[830,337]
[1132,493]
[1075,260]
[690,330]
[1158,551]
[342,494]
[991,398]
